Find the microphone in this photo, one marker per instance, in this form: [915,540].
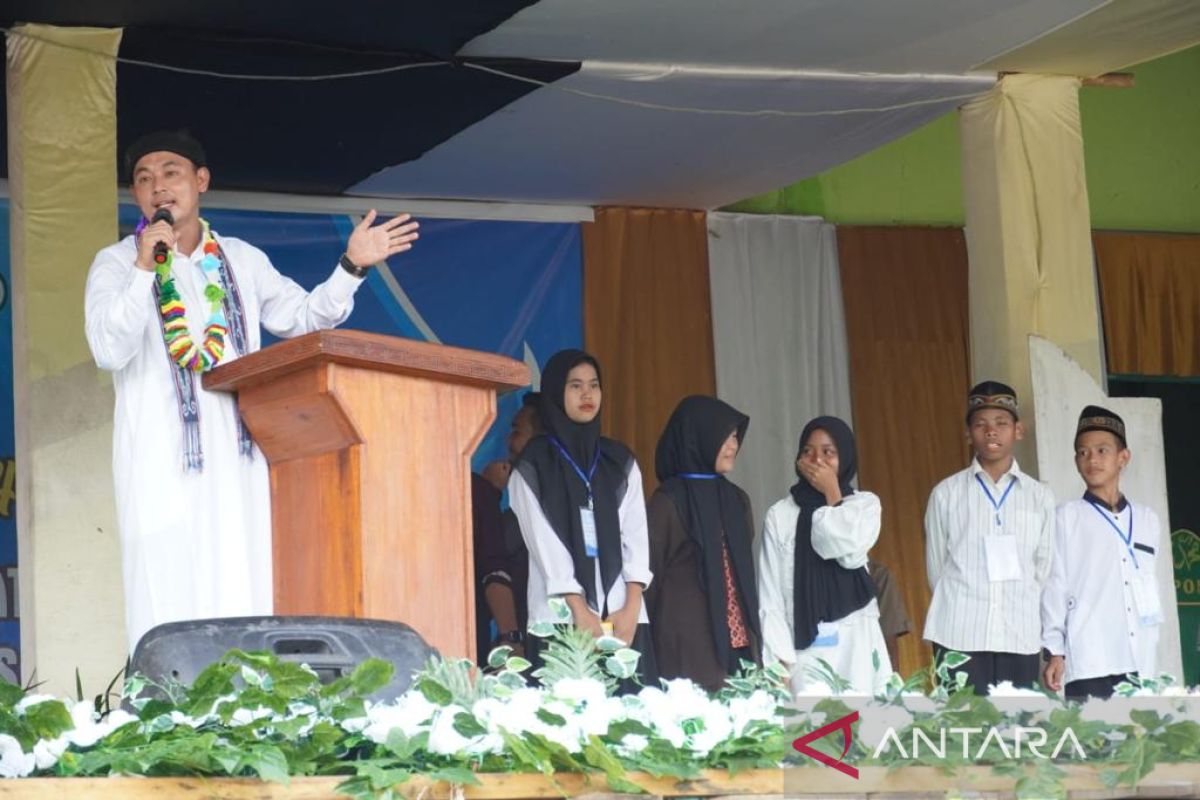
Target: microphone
[160,248]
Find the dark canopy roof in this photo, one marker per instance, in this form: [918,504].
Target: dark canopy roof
[303,136]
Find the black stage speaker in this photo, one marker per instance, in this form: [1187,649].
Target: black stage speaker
[332,646]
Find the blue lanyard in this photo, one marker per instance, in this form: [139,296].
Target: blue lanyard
[585,477]
[1127,538]
[996,504]
[699,476]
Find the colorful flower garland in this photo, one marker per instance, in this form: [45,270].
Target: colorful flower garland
[178,336]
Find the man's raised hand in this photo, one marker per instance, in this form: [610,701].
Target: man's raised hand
[369,243]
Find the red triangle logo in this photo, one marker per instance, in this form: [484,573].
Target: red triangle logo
[843,724]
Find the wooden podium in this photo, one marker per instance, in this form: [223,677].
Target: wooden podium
[369,440]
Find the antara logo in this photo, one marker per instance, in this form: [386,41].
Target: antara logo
[843,725]
[1033,738]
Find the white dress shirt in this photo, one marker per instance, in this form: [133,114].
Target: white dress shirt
[551,568]
[1090,612]
[193,544]
[970,611]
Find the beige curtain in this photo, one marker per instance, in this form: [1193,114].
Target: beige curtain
[647,318]
[62,142]
[905,293]
[1028,232]
[1150,301]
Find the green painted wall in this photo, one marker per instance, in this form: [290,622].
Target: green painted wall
[1141,145]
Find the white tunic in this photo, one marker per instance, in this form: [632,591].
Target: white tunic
[551,568]
[1090,613]
[845,533]
[194,544]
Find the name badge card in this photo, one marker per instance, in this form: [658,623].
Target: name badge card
[587,520]
[1145,597]
[827,635]
[1003,563]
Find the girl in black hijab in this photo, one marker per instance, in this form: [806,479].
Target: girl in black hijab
[704,601]
[578,498]
[818,602]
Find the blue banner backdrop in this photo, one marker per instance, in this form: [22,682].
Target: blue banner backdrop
[513,288]
[10,621]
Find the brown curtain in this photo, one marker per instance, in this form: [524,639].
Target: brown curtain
[647,318]
[1150,301]
[905,295]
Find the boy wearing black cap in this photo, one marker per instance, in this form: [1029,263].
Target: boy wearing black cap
[161,307]
[988,545]
[1101,611]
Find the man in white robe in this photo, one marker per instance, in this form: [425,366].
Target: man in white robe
[196,539]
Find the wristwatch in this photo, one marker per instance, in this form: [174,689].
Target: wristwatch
[510,637]
[351,267]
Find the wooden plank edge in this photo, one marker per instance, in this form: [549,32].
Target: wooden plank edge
[1081,781]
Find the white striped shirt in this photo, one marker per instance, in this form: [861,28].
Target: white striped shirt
[969,612]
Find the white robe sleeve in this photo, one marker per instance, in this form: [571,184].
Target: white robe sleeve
[937,538]
[1054,594]
[1044,552]
[775,567]
[118,304]
[548,555]
[635,532]
[847,531]
[287,310]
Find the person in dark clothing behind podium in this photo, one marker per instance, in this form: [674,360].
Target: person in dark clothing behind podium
[503,569]
[487,533]
[704,600]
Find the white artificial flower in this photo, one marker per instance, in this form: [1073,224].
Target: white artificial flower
[354,724]
[411,713]
[657,713]
[14,762]
[47,751]
[634,742]
[580,690]
[714,726]
[596,717]
[32,700]
[86,732]
[489,711]
[684,715]
[814,687]
[246,716]
[760,706]
[180,718]
[443,738]
[118,718]
[569,735]
[1006,689]
[516,714]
